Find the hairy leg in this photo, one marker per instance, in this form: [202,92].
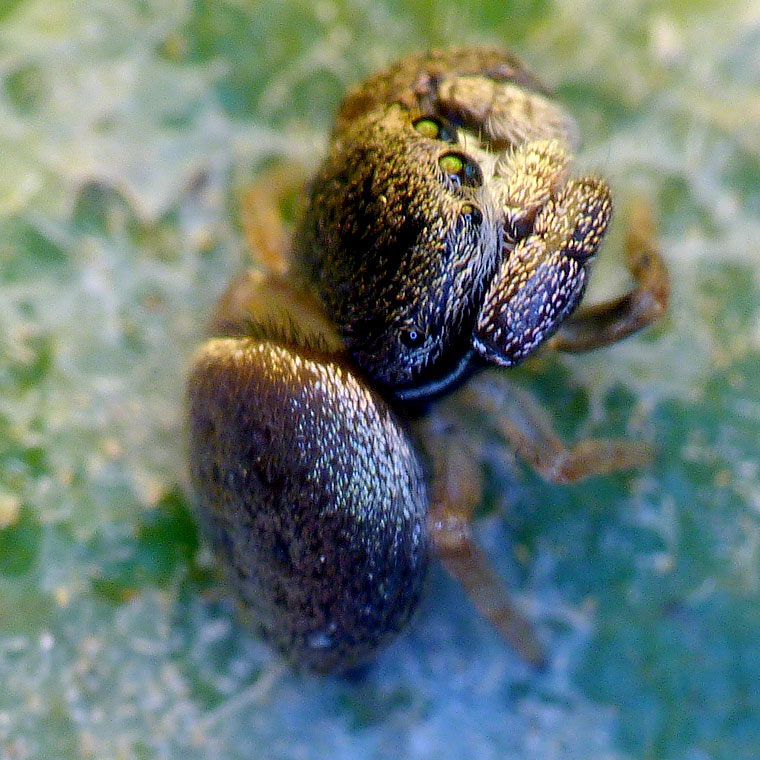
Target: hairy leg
[260,304]
[262,217]
[269,296]
[527,428]
[599,325]
[455,493]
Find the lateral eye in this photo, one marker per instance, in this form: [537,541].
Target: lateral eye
[412,337]
[432,129]
[428,128]
[460,169]
[472,214]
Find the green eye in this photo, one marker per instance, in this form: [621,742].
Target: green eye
[428,128]
[471,214]
[451,163]
[460,169]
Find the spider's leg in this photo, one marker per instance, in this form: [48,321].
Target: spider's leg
[455,493]
[599,325]
[525,425]
[262,217]
[541,281]
[269,292]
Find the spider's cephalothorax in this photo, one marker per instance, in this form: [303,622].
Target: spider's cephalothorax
[443,224]
[442,233]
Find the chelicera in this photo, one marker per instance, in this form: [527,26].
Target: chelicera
[443,234]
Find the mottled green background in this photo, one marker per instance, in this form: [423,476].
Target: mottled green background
[128,131]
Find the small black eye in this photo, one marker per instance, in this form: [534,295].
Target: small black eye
[472,214]
[520,229]
[412,337]
[460,169]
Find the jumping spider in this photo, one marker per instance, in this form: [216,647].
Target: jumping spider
[441,235]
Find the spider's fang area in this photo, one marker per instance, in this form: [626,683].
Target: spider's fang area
[543,279]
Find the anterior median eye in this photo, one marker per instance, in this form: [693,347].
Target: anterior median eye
[461,169]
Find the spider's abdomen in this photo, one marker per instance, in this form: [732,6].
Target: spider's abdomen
[312,491]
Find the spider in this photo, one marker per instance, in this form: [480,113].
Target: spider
[442,234]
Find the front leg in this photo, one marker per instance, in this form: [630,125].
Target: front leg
[599,325]
[526,426]
[541,281]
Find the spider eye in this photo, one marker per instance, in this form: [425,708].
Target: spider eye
[460,169]
[428,128]
[412,337]
[432,129]
[472,214]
